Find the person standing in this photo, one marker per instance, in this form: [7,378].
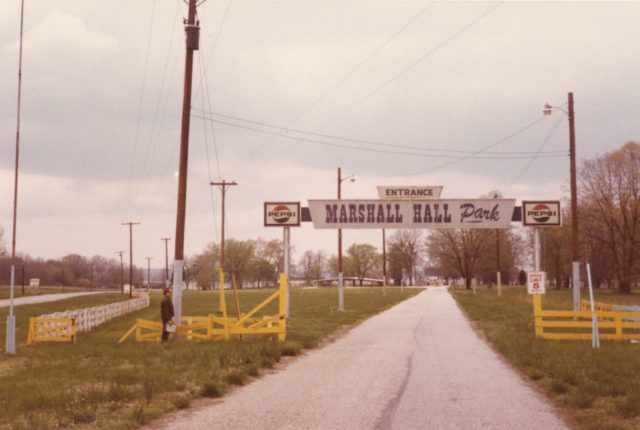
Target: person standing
[166,313]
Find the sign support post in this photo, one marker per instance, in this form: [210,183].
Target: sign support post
[287,239]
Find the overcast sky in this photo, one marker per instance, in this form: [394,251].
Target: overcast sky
[394,92]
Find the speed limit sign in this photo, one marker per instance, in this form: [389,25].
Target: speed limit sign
[536,282]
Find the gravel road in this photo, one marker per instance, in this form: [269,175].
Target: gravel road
[418,365]
[42,298]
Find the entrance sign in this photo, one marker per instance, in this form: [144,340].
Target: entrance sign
[400,214]
[541,213]
[409,192]
[536,282]
[282,214]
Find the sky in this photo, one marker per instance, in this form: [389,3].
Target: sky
[284,93]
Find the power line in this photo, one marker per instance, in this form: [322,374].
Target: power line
[141,99]
[342,80]
[402,72]
[382,151]
[512,135]
[542,145]
[148,161]
[364,141]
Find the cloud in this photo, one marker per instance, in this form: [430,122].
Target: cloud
[61,35]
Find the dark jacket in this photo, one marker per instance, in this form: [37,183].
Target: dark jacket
[166,310]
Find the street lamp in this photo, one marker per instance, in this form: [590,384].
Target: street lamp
[575,255]
[351,178]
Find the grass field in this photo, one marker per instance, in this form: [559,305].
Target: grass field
[598,388]
[100,384]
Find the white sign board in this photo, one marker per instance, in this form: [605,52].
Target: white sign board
[377,214]
[409,192]
[282,214]
[536,282]
[34,282]
[541,213]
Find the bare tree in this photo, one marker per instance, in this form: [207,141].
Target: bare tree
[363,257]
[312,264]
[406,249]
[610,197]
[459,250]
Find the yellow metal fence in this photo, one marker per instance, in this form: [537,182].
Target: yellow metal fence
[577,325]
[213,327]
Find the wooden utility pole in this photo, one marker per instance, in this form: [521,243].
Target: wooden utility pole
[340,275]
[148,272]
[575,250]
[384,260]
[192,29]
[166,260]
[223,187]
[121,272]
[130,224]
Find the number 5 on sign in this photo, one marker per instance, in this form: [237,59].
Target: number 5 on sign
[536,282]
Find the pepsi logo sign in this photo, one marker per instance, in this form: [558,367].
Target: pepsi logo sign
[545,213]
[281,214]
[541,213]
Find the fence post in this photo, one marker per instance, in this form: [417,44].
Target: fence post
[618,320]
[537,315]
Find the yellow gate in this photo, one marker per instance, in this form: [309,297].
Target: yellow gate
[51,330]
[213,327]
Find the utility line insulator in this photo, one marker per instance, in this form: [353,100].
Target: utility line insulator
[193,36]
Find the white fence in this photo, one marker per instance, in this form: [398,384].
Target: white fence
[88,318]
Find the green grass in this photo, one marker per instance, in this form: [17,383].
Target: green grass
[100,384]
[598,388]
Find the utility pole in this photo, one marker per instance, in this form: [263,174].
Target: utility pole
[10,342]
[340,275]
[223,187]
[166,260]
[498,272]
[192,29]
[130,224]
[63,276]
[384,260]
[148,272]
[575,251]
[121,272]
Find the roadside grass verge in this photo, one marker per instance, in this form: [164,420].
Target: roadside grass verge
[100,384]
[598,388]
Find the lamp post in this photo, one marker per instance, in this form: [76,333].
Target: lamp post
[575,252]
[340,275]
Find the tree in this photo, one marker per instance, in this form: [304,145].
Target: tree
[610,209]
[312,264]
[405,252]
[459,250]
[522,277]
[362,258]
[261,271]
[205,266]
[237,256]
[271,251]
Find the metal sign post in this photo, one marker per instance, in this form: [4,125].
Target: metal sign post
[285,215]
